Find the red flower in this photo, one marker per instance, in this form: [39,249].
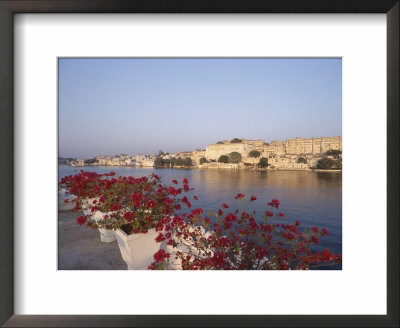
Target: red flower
[268,227]
[253,198]
[185,181]
[274,203]
[174,181]
[315,239]
[155,176]
[280,214]
[269,213]
[325,232]
[137,199]
[297,223]
[225,205]
[151,203]
[115,207]
[129,216]
[327,255]
[160,255]
[195,197]
[239,195]
[186,187]
[81,220]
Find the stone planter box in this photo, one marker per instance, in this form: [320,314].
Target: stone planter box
[137,250]
[185,247]
[86,207]
[106,236]
[62,195]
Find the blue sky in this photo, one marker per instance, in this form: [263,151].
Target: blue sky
[113,106]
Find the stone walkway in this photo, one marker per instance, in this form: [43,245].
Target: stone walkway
[80,248]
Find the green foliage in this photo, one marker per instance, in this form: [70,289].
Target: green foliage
[220,143]
[254,154]
[301,160]
[63,160]
[236,140]
[161,162]
[187,161]
[235,157]
[263,162]
[203,160]
[334,152]
[325,163]
[90,161]
[339,163]
[223,159]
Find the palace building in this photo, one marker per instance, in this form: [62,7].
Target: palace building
[298,146]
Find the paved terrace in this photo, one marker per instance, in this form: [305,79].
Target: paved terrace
[80,248]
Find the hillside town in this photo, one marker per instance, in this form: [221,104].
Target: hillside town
[291,154]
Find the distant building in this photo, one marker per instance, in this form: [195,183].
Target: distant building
[313,145]
[214,151]
[298,146]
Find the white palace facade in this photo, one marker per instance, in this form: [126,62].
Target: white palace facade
[298,146]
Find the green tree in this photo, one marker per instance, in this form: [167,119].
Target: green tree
[90,161]
[223,159]
[339,163]
[187,161]
[254,154]
[159,162]
[301,160]
[263,162]
[334,152]
[235,157]
[203,160]
[220,142]
[325,163]
[236,140]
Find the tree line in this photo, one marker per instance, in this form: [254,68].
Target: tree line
[171,162]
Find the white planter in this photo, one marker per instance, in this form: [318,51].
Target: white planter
[62,196]
[186,247]
[137,250]
[87,205]
[106,236]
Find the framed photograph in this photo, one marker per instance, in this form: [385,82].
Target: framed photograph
[228,139]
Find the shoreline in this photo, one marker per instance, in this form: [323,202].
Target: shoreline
[204,168]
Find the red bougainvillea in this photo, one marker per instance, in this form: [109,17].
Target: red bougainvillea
[230,239]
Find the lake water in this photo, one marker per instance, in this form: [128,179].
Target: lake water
[313,198]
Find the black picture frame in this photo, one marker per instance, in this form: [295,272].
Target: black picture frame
[10,7]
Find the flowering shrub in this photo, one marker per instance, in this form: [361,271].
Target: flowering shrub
[132,204]
[235,240]
[226,240]
[85,186]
